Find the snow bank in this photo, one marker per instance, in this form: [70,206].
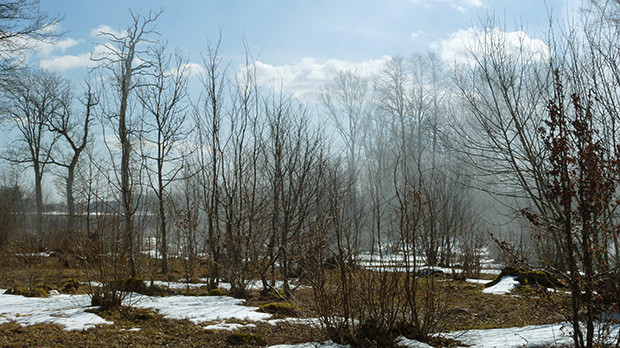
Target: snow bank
[503,287]
[65,310]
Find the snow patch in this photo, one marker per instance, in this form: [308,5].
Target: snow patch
[503,287]
[326,344]
[478,281]
[178,285]
[65,310]
[405,342]
[224,326]
[200,309]
[133,329]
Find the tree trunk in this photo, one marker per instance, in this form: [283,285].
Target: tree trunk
[38,201]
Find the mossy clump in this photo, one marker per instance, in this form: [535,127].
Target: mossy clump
[17,291]
[39,292]
[283,308]
[70,285]
[244,338]
[216,292]
[144,314]
[36,292]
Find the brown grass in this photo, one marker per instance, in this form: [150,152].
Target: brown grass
[466,307]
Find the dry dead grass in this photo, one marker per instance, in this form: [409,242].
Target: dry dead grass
[466,307]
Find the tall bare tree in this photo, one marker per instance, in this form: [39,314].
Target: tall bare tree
[163,96]
[209,114]
[124,61]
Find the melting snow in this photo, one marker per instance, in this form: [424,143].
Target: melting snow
[478,281]
[200,309]
[64,310]
[405,342]
[327,344]
[227,326]
[503,287]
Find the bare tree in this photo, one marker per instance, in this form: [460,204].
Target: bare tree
[504,93]
[163,97]
[22,26]
[75,133]
[209,125]
[348,102]
[124,62]
[30,100]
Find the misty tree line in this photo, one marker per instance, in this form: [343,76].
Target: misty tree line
[242,174]
[250,182]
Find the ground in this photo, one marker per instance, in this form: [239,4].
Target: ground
[190,318]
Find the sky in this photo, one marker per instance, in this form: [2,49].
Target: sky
[302,42]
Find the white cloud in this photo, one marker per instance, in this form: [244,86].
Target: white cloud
[305,78]
[193,69]
[458,5]
[106,29]
[82,60]
[461,47]
[46,49]
[66,62]
[40,48]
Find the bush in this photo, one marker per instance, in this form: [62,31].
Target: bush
[133,285]
[372,333]
[243,338]
[109,300]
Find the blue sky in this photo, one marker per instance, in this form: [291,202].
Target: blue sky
[304,41]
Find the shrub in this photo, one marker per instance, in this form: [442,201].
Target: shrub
[133,285]
[107,301]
